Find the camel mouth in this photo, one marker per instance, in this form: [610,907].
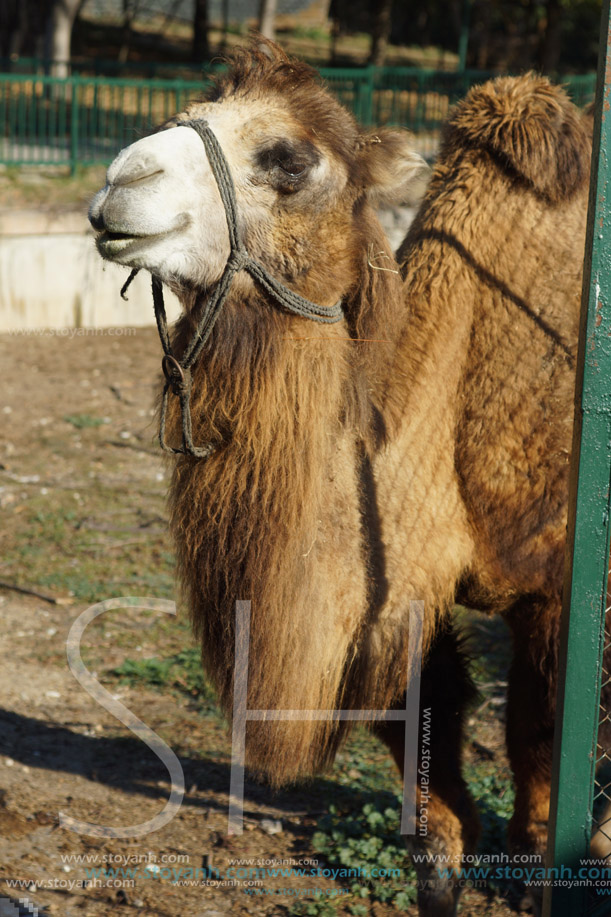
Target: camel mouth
[112,244]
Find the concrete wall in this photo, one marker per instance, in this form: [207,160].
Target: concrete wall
[51,275]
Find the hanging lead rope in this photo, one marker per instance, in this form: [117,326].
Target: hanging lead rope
[178,372]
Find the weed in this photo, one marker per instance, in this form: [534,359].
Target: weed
[181,671]
[317,907]
[81,421]
[366,842]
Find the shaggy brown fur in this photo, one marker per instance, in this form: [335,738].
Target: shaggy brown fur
[354,477]
[275,509]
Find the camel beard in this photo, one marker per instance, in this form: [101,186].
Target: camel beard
[273,517]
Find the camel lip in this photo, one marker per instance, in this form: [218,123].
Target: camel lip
[112,244]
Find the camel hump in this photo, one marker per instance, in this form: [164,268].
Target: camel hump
[531,127]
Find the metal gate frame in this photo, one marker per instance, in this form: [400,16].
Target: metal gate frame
[587,563]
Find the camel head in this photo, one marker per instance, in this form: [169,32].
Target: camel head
[301,168]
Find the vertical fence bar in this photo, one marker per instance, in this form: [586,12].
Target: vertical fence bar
[582,630]
[365,93]
[74,122]
[463,41]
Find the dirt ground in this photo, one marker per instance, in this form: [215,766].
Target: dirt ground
[82,489]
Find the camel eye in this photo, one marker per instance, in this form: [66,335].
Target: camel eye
[292,167]
[287,163]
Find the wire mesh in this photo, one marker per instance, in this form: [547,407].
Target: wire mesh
[600,893]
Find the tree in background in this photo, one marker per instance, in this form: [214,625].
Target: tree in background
[39,28]
[22,27]
[547,35]
[267,18]
[381,21]
[59,31]
[550,38]
[554,36]
[200,49]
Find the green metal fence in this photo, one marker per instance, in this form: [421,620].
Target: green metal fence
[81,120]
[85,120]
[581,794]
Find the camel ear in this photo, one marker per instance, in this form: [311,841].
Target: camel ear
[392,172]
[531,128]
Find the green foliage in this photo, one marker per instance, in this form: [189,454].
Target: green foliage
[82,421]
[365,841]
[314,33]
[181,671]
[237,28]
[152,672]
[317,907]
[359,910]
[493,792]
[365,765]
[492,787]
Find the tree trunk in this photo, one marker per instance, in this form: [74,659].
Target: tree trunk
[551,41]
[267,18]
[130,11]
[380,32]
[200,50]
[13,29]
[63,14]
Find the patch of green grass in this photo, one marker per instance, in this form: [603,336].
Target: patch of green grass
[151,672]
[182,671]
[82,421]
[80,586]
[315,33]
[364,763]
[60,544]
[237,28]
[53,187]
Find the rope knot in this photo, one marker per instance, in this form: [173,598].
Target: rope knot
[238,260]
[176,376]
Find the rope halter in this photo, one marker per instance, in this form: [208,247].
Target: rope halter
[178,372]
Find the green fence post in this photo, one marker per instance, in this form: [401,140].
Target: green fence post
[463,41]
[72,83]
[365,95]
[582,631]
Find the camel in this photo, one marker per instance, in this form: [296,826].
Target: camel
[407,438]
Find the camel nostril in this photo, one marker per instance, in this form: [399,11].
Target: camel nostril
[97,221]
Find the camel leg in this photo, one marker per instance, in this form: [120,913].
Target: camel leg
[447,822]
[531,700]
